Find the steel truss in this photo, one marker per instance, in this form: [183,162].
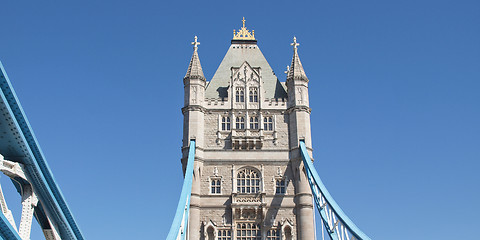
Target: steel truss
[22,160]
[335,221]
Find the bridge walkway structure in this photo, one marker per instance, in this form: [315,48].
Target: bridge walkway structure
[22,160]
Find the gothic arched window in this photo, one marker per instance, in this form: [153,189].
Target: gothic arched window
[239,94]
[248,181]
[225,123]
[273,234]
[253,122]
[268,124]
[280,186]
[249,231]
[215,186]
[240,123]
[253,94]
[224,235]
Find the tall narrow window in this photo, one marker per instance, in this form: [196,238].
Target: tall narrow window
[239,95]
[248,181]
[268,124]
[225,123]
[224,235]
[273,234]
[253,122]
[240,123]
[215,186]
[248,231]
[280,186]
[253,94]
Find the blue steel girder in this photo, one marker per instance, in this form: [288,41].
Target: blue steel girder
[336,222]
[20,145]
[178,230]
[7,232]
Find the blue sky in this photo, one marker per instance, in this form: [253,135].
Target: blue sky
[394,88]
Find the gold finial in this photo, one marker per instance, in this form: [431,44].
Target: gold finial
[295,44]
[243,33]
[195,44]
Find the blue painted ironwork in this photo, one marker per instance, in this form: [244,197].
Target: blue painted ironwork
[336,222]
[6,229]
[27,151]
[178,230]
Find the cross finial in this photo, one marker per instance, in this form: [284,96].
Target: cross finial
[195,43]
[243,20]
[295,44]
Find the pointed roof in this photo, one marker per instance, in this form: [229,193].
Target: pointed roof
[296,69]
[237,54]
[195,68]
[244,48]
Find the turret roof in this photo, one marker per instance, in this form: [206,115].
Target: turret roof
[195,68]
[296,69]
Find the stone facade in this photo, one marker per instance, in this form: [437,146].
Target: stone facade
[248,179]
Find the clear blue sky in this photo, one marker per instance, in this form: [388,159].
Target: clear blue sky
[394,88]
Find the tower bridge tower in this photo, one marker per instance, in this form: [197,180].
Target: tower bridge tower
[248,179]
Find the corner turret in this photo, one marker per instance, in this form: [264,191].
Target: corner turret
[194,86]
[194,80]
[297,81]
[298,104]
[299,129]
[194,125]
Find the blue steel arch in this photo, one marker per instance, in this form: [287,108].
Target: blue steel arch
[338,224]
[21,145]
[178,230]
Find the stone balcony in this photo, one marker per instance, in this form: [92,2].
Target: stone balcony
[248,199]
[247,139]
[248,206]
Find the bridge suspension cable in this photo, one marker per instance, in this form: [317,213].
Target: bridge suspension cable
[337,225]
[178,230]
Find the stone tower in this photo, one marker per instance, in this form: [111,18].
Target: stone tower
[249,182]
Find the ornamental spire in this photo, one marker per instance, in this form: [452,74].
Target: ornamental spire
[195,68]
[296,69]
[243,33]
